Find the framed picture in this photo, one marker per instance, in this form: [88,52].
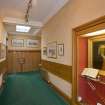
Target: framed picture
[96,52]
[18,43]
[31,43]
[60,49]
[2,51]
[45,51]
[52,50]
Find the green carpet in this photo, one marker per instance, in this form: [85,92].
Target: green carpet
[29,89]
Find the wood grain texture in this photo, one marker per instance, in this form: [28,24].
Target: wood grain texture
[60,70]
[3,67]
[32,59]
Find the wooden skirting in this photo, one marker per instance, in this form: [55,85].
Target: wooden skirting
[60,70]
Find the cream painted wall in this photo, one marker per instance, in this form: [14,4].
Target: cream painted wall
[75,13]
[59,28]
[24,37]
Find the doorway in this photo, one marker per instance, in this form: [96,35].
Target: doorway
[80,48]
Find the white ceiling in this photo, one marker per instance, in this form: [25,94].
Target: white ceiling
[42,10]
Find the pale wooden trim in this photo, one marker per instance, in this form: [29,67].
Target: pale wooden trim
[95,22]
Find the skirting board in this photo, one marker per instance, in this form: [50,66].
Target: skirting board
[69,100]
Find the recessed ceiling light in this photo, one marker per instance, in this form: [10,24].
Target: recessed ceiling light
[95,33]
[20,28]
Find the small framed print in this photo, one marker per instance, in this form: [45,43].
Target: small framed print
[45,51]
[31,43]
[60,49]
[52,50]
[2,51]
[18,43]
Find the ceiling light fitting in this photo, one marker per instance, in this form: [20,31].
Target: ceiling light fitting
[20,28]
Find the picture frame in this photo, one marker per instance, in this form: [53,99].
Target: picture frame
[2,51]
[31,43]
[17,42]
[52,50]
[60,49]
[45,51]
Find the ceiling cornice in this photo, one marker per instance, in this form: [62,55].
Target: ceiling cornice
[55,11]
[9,20]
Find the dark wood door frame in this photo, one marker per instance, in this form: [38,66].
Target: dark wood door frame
[92,26]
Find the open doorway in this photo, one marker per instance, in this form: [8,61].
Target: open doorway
[88,53]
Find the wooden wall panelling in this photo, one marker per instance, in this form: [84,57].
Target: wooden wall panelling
[3,67]
[10,61]
[32,60]
[60,70]
[16,65]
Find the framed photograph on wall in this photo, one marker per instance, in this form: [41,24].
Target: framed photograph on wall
[52,50]
[17,42]
[31,43]
[60,49]
[45,51]
[2,51]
